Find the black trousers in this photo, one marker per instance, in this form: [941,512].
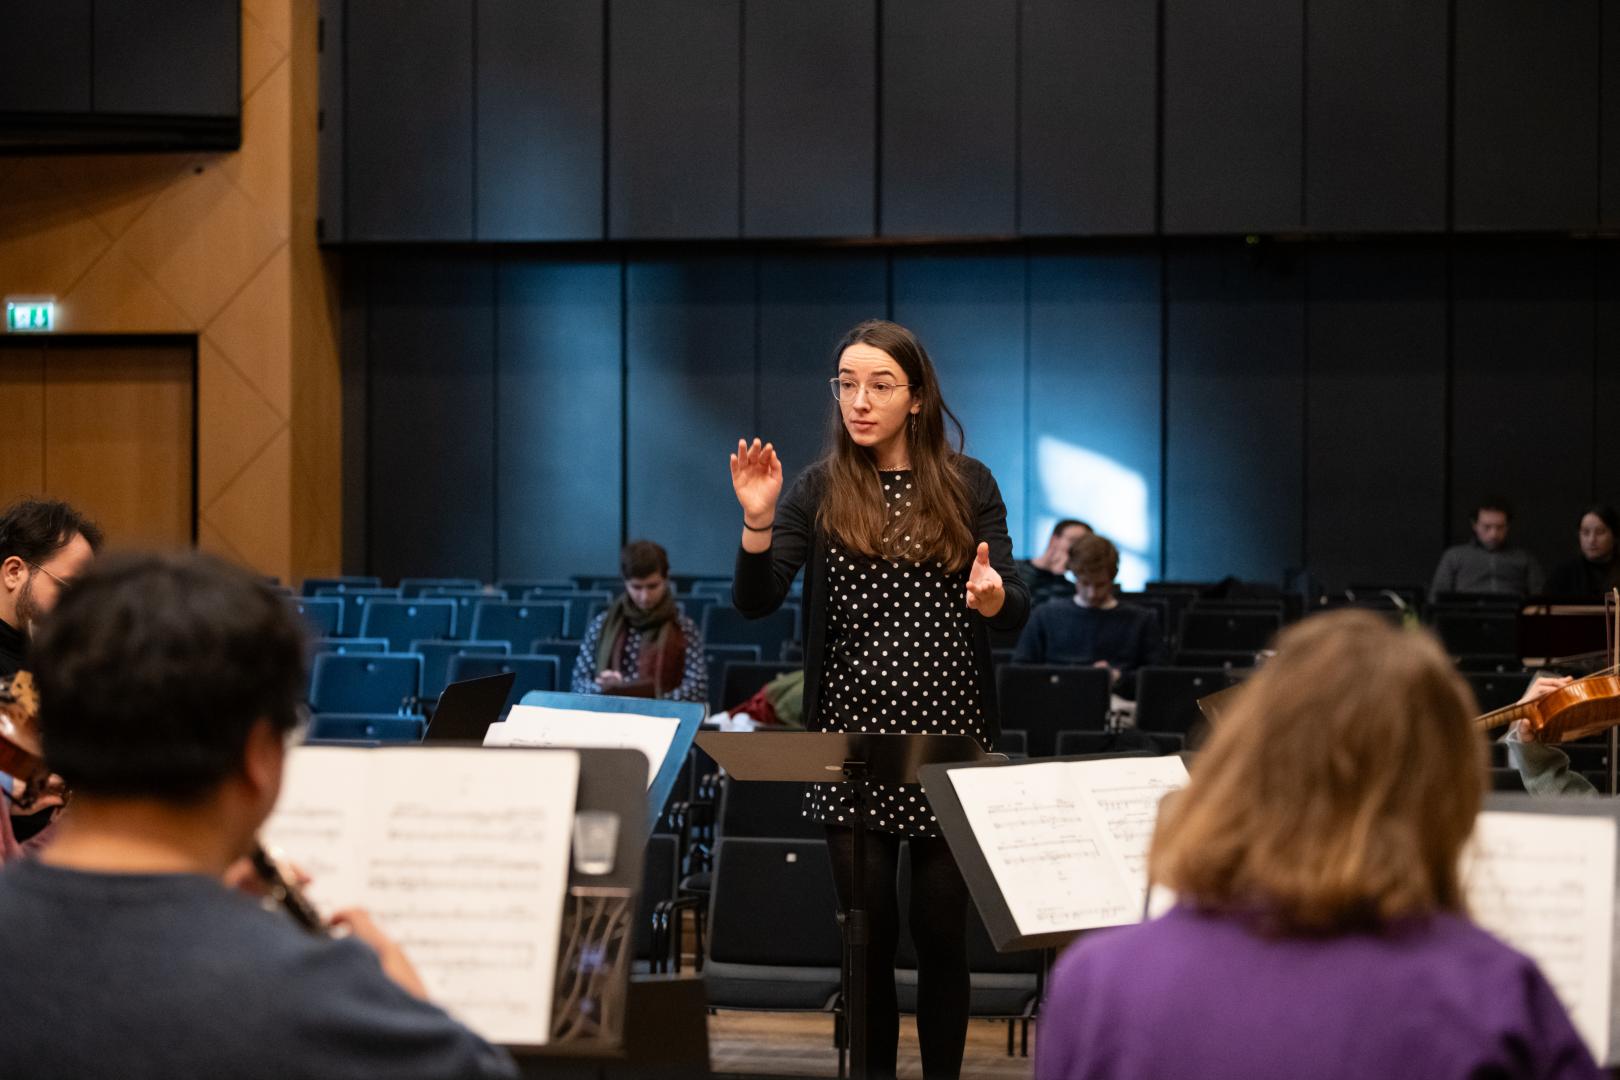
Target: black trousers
[938,917]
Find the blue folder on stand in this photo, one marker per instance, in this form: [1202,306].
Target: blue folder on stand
[689,714]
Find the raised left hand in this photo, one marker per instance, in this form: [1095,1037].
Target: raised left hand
[984,591]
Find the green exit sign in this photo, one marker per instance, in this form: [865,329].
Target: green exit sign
[30,316]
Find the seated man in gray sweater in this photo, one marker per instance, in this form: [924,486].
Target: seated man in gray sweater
[1488,563]
[168,688]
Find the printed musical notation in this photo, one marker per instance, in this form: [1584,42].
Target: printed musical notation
[1067,840]
[1545,884]
[462,857]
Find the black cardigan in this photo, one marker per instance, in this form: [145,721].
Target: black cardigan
[762,580]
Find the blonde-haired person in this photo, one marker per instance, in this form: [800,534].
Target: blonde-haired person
[1320,928]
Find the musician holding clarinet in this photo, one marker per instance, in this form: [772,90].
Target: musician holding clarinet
[169,686]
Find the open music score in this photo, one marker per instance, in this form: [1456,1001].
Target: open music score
[1545,884]
[460,854]
[1067,841]
[544,725]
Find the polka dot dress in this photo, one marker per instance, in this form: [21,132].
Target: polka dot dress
[899,659]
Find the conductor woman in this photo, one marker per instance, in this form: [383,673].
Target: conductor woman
[908,566]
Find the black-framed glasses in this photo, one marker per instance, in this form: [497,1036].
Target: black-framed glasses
[878,391]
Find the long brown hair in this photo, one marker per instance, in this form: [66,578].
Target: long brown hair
[1338,791]
[937,524]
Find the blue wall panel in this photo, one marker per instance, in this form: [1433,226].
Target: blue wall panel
[674,119]
[431,343]
[1606,482]
[806,303]
[969,312]
[409,141]
[1232,141]
[1094,389]
[1375,436]
[1527,90]
[558,390]
[950,118]
[809,141]
[1523,347]
[539,96]
[691,392]
[1235,438]
[1088,117]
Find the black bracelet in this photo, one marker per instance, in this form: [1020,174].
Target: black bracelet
[761,528]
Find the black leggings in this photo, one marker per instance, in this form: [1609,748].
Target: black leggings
[938,916]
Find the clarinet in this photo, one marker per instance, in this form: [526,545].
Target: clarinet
[285,894]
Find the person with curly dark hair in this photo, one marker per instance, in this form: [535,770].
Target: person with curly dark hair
[169,687]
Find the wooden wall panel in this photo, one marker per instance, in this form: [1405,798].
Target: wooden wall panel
[1235,439]
[22,436]
[1526,135]
[1375,120]
[119,439]
[950,108]
[1233,102]
[1088,117]
[558,396]
[810,119]
[1375,436]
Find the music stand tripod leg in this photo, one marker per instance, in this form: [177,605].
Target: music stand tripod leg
[857,933]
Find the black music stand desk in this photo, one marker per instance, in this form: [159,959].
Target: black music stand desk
[829,757]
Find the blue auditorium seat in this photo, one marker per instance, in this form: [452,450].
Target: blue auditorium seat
[365,683]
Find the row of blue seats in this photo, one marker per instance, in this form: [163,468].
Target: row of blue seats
[512,587]
[400,621]
[485,617]
[398,683]
[429,665]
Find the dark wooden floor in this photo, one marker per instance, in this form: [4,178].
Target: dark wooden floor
[796,1044]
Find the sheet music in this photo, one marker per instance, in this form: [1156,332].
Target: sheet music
[540,725]
[460,855]
[1067,840]
[1545,884]
[1127,793]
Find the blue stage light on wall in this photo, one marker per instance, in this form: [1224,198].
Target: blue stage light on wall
[1075,482]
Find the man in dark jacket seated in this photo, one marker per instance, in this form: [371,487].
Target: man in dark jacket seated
[1092,626]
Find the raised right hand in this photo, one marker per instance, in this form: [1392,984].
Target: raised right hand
[756,477]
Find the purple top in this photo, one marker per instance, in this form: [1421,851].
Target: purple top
[1202,995]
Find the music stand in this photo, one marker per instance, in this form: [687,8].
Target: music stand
[832,757]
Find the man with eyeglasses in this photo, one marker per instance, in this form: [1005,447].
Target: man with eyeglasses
[44,545]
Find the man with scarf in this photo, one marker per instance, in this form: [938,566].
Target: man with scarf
[642,645]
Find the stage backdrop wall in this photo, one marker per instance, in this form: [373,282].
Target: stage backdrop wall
[1216,407]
